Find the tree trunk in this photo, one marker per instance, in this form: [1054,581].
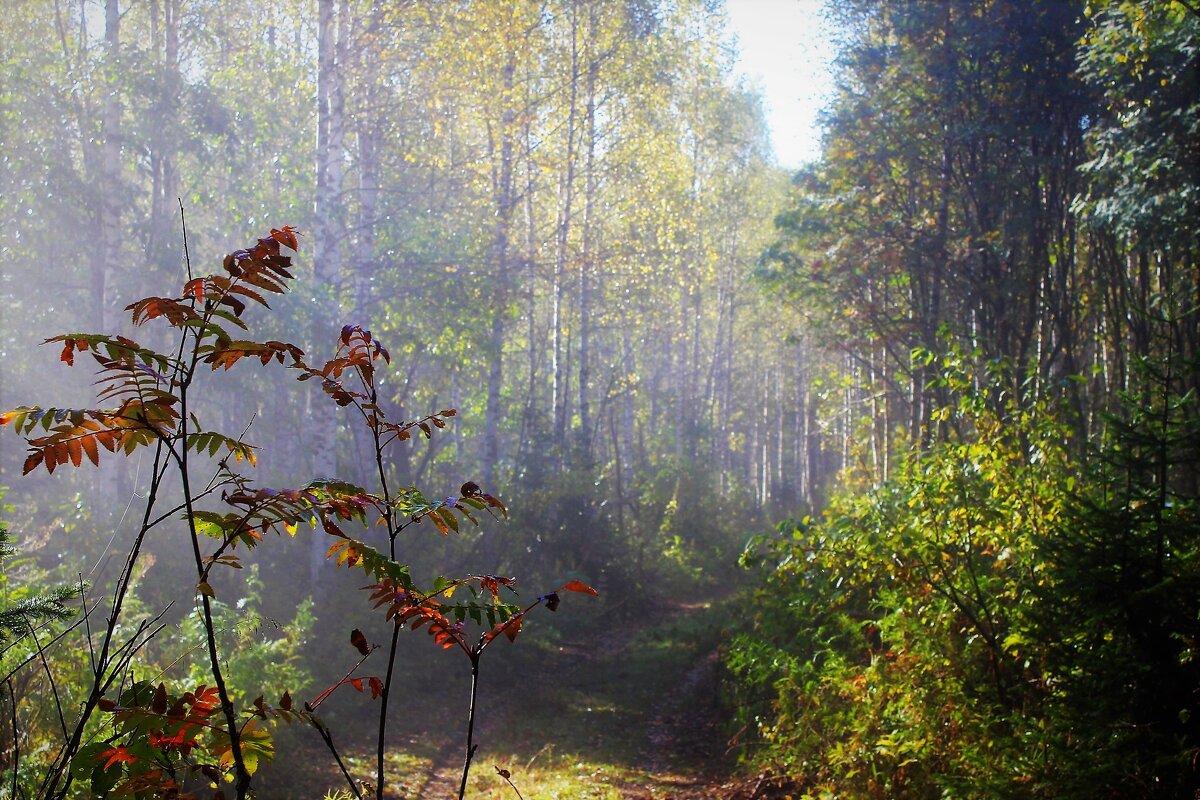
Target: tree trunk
[502,185]
[327,237]
[586,264]
[111,482]
[163,234]
[107,254]
[566,194]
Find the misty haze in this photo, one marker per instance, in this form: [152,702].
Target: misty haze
[459,399]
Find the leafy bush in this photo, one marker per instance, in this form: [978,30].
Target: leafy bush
[999,620]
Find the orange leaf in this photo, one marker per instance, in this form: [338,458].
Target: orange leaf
[75,451]
[89,447]
[437,520]
[579,586]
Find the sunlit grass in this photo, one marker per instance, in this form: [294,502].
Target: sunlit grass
[551,777]
[568,715]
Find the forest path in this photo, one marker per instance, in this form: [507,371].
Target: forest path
[629,711]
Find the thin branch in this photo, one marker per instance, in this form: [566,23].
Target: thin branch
[242,781]
[503,773]
[62,720]
[133,646]
[213,487]
[16,759]
[471,746]
[18,667]
[187,255]
[381,742]
[345,679]
[87,623]
[327,737]
[111,664]
[393,532]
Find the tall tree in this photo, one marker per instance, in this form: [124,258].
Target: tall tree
[941,211]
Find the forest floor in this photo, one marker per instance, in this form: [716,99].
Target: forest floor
[632,711]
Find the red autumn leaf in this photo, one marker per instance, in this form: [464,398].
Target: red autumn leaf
[509,628]
[579,586]
[332,529]
[494,503]
[207,698]
[356,683]
[360,642]
[117,755]
[286,236]
[513,627]
[32,463]
[149,308]
[376,687]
